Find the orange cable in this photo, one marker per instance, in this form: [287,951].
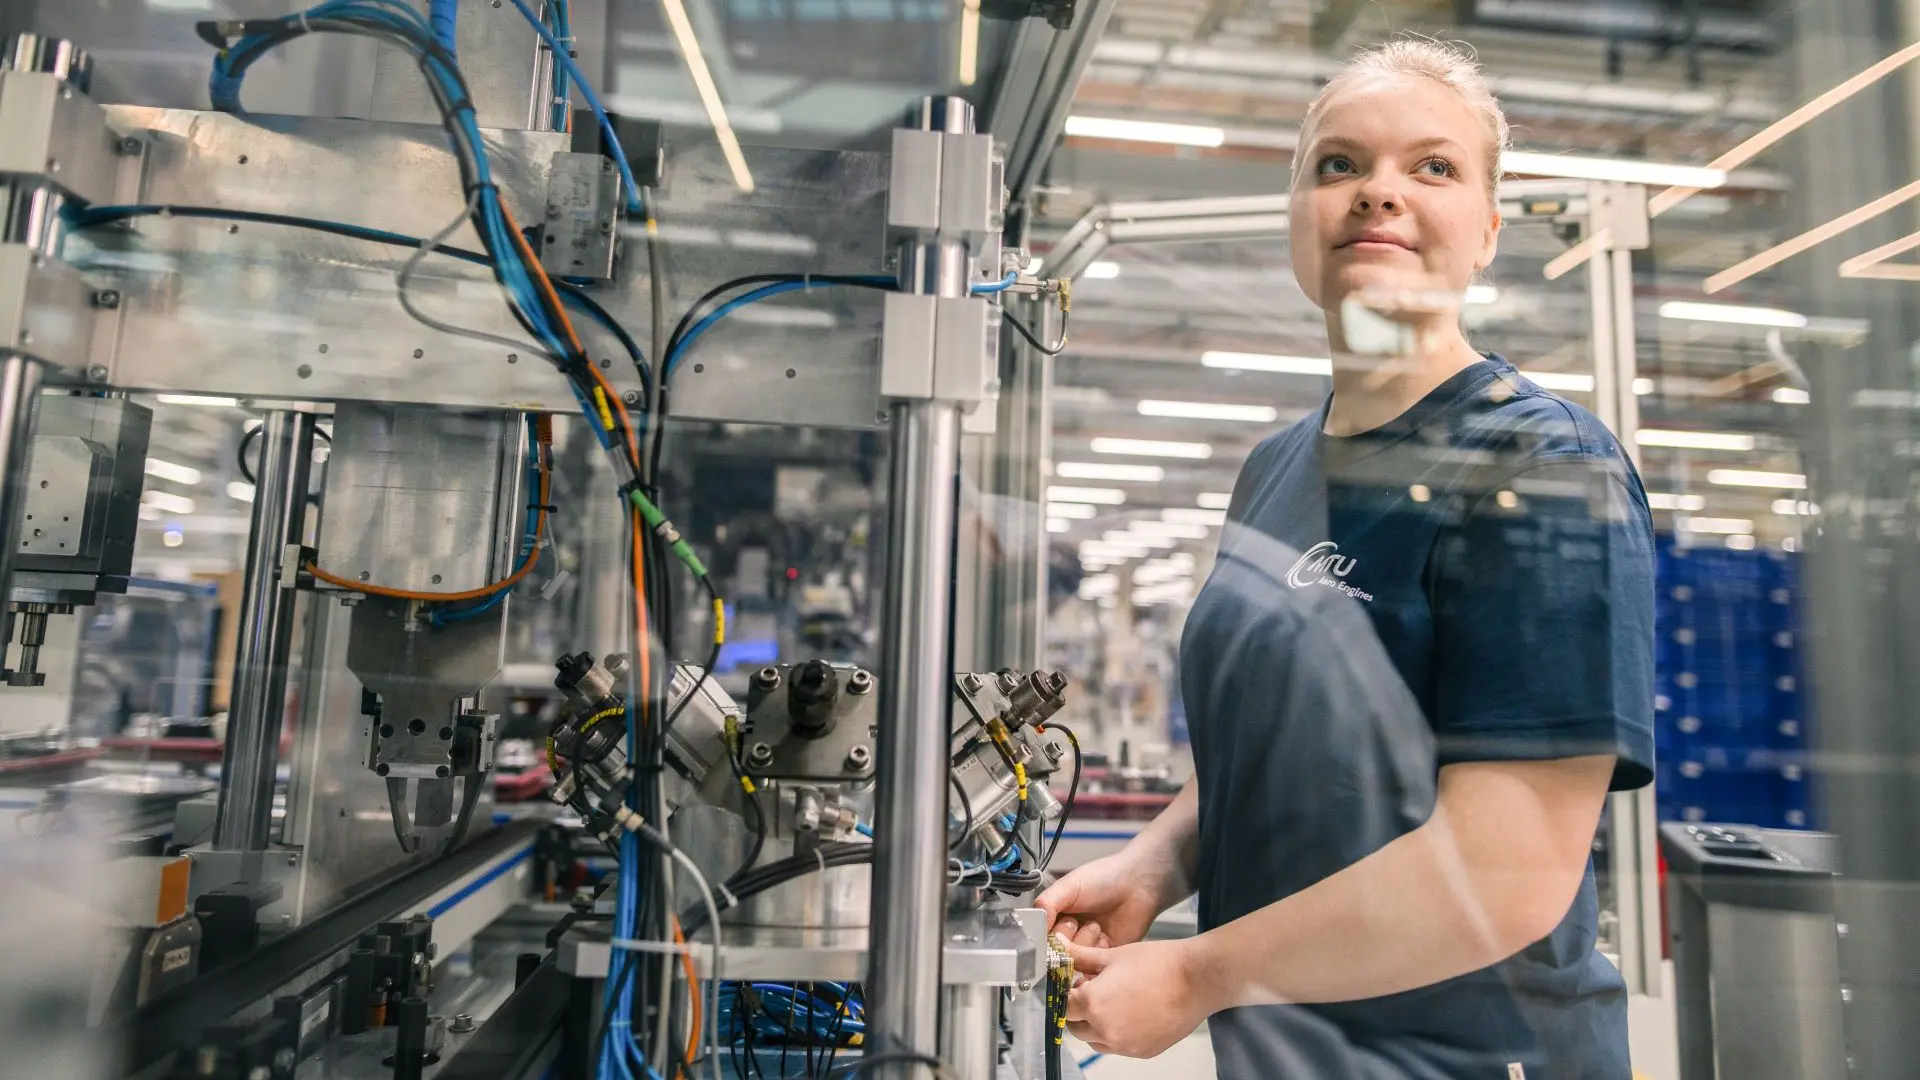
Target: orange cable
[693,993]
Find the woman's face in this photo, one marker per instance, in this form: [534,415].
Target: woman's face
[1391,192]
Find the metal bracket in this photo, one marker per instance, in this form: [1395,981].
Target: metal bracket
[583,215]
[46,312]
[55,135]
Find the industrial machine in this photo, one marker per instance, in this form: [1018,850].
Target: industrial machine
[442,288]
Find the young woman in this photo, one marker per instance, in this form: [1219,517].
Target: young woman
[1422,660]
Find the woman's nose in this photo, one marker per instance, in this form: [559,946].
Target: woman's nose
[1379,194]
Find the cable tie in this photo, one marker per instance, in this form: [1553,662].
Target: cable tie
[726,894]
[546,507]
[820,855]
[305,28]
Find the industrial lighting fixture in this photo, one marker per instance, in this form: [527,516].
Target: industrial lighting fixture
[1101,127]
[1736,314]
[1694,440]
[1208,410]
[1129,538]
[168,502]
[1482,294]
[1214,500]
[1420,493]
[1756,478]
[1093,470]
[1151,448]
[1058,525]
[1643,387]
[1795,508]
[1664,500]
[676,11]
[1290,365]
[1571,381]
[1789,124]
[1176,529]
[1741,542]
[1080,511]
[173,538]
[1791,395]
[1624,170]
[1723,526]
[1115,552]
[969,42]
[241,490]
[1098,496]
[1103,270]
[197,399]
[167,470]
[1186,516]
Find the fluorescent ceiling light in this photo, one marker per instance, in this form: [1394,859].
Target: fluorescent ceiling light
[1694,440]
[1208,410]
[1101,127]
[1154,573]
[1099,583]
[1482,294]
[709,93]
[1102,270]
[1177,529]
[1756,478]
[1733,313]
[1642,387]
[1562,380]
[169,502]
[1792,395]
[1186,516]
[1093,470]
[1292,365]
[1625,170]
[167,470]
[197,399]
[1214,500]
[1722,526]
[969,42]
[240,489]
[1100,496]
[1058,525]
[1151,448]
[1077,510]
[1129,538]
[1741,542]
[1099,549]
[1794,508]
[173,538]
[1663,500]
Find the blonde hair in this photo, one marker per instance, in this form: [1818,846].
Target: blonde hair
[1452,64]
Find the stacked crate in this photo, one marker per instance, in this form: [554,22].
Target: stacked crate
[1729,727]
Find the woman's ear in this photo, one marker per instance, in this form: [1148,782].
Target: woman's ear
[1491,245]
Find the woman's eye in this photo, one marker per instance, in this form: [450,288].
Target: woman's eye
[1335,165]
[1437,167]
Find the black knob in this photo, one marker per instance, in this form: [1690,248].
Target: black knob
[811,696]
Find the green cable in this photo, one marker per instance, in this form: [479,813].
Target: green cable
[659,523]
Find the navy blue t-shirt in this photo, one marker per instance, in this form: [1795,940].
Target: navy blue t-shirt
[1470,582]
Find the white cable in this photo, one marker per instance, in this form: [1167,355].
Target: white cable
[713,922]
[419,256]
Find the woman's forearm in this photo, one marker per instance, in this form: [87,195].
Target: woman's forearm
[1494,870]
[1169,845]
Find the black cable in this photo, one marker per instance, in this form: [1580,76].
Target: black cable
[1073,791]
[1033,339]
[966,822]
[693,313]
[775,874]
[246,440]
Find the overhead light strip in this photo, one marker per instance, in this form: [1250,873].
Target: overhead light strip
[709,93]
[969,42]
[1787,125]
[1289,365]
[1756,478]
[1623,170]
[1735,314]
[1101,127]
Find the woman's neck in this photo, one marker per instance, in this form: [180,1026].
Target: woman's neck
[1370,391]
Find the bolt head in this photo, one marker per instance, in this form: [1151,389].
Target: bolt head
[859,758]
[631,397]
[129,146]
[107,298]
[761,752]
[98,373]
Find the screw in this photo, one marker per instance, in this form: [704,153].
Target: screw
[107,298]
[98,373]
[231,229]
[323,347]
[631,397]
[286,920]
[971,683]
[293,860]
[513,358]
[860,683]
[26,337]
[306,370]
[462,1023]
[128,146]
[436,579]
[790,373]
[761,753]
[699,368]
[859,758]
[883,416]
[418,353]
[605,363]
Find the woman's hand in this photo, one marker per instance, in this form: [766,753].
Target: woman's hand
[1108,902]
[1136,1000]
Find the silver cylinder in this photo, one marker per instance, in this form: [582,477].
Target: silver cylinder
[970,1031]
[19,393]
[53,56]
[910,814]
[257,709]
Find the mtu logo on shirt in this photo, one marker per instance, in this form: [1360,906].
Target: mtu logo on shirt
[1322,564]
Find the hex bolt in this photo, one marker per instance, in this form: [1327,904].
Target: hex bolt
[128,146]
[859,758]
[767,678]
[631,397]
[462,1023]
[98,373]
[971,683]
[107,298]
[761,753]
[862,682]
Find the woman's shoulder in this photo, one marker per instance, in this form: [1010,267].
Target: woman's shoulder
[1517,420]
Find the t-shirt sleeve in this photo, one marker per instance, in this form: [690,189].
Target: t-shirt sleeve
[1542,595]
